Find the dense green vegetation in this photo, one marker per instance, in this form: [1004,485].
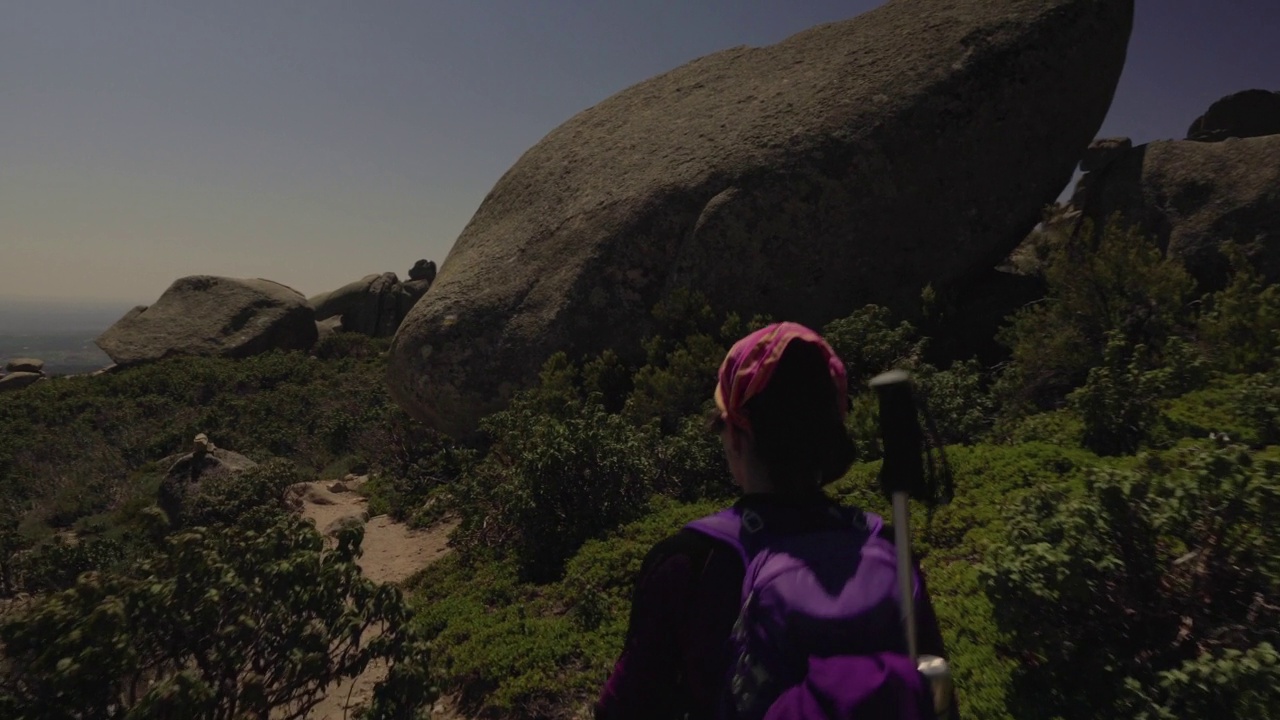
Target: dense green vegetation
[1107,552]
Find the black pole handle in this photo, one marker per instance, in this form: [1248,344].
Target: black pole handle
[903,439]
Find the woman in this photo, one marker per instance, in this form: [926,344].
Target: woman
[781,398]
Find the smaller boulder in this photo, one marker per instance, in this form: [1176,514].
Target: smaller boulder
[327,327]
[423,270]
[31,365]
[342,523]
[374,305]
[198,465]
[17,380]
[201,445]
[1103,151]
[183,480]
[1246,114]
[415,289]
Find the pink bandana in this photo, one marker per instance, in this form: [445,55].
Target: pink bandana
[751,361]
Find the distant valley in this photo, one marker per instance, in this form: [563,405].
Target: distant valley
[60,332]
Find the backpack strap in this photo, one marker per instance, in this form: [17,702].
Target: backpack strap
[725,526]
[728,526]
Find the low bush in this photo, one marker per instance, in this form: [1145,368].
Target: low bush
[523,650]
[214,624]
[1122,594]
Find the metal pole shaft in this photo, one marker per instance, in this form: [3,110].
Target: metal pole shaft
[906,586]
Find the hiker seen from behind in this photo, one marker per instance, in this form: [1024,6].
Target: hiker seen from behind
[786,604]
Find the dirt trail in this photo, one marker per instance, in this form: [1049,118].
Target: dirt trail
[392,552]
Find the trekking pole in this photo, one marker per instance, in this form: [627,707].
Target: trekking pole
[901,474]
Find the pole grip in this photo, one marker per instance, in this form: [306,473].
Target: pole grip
[903,440]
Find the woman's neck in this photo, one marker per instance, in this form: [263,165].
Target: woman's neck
[757,480]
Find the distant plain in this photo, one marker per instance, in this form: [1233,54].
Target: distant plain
[60,332]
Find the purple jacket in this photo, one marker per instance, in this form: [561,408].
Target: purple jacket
[686,599]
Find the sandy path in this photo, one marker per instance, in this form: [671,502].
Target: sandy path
[392,552]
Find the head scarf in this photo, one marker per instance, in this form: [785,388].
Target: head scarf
[751,362]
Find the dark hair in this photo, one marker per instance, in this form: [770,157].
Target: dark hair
[796,424]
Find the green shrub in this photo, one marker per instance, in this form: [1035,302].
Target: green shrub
[350,345]
[69,448]
[1222,683]
[1240,325]
[56,565]
[690,464]
[1219,409]
[957,400]
[609,379]
[255,498]
[1118,403]
[869,343]
[496,642]
[410,466]
[524,651]
[1099,284]
[216,624]
[676,385]
[958,403]
[552,481]
[1258,400]
[1148,570]
[990,481]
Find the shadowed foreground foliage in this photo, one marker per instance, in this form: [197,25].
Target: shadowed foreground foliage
[215,624]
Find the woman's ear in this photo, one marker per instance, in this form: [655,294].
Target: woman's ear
[733,438]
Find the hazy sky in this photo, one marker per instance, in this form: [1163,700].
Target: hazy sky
[315,141]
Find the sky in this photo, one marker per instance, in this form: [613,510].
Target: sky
[313,142]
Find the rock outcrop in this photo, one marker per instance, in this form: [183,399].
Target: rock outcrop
[374,305]
[187,472]
[851,163]
[327,327]
[1246,114]
[1103,152]
[30,365]
[423,270]
[18,380]
[1194,196]
[20,373]
[212,316]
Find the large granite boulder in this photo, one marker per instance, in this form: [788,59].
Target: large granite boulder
[1194,196]
[374,305]
[213,316]
[850,163]
[1250,113]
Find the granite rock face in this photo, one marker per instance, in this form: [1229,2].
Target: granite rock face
[374,305]
[851,163]
[212,316]
[1249,113]
[1192,197]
